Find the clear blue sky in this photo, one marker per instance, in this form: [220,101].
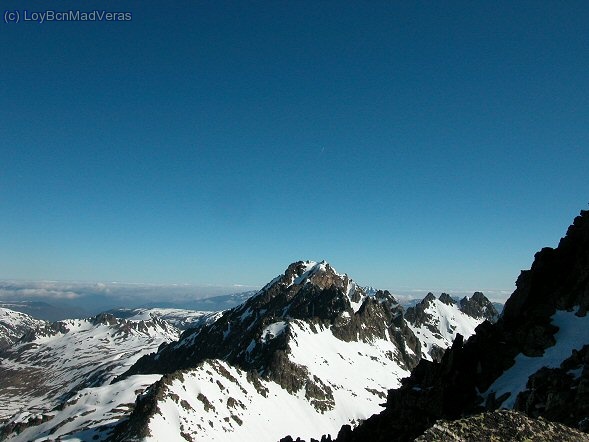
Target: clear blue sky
[411,144]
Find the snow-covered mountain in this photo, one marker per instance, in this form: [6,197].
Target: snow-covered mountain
[298,344]
[436,322]
[53,361]
[310,351]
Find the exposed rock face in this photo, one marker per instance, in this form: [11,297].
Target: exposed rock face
[478,306]
[500,426]
[451,389]
[447,299]
[418,316]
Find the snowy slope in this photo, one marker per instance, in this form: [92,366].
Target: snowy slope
[436,324]
[58,359]
[13,325]
[232,408]
[89,415]
[217,401]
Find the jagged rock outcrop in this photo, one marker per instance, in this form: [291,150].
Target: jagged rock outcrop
[478,306]
[447,299]
[458,386]
[418,315]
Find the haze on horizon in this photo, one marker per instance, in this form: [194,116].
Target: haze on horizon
[415,147]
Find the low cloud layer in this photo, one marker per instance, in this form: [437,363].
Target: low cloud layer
[98,296]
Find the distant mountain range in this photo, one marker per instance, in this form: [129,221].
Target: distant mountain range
[51,363]
[311,341]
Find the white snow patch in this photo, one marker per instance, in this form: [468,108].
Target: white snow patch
[573,333]
[273,330]
[351,287]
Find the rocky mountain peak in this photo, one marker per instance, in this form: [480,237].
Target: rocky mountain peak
[437,321]
[299,273]
[478,306]
[447,299]
[307,291]
[385,296]
[428,298]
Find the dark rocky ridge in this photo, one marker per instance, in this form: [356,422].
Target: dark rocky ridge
[558,279]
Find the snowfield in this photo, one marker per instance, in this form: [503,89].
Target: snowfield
[218,402]
[90,415]
[36,375]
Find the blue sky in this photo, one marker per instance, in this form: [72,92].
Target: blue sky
[429,145]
